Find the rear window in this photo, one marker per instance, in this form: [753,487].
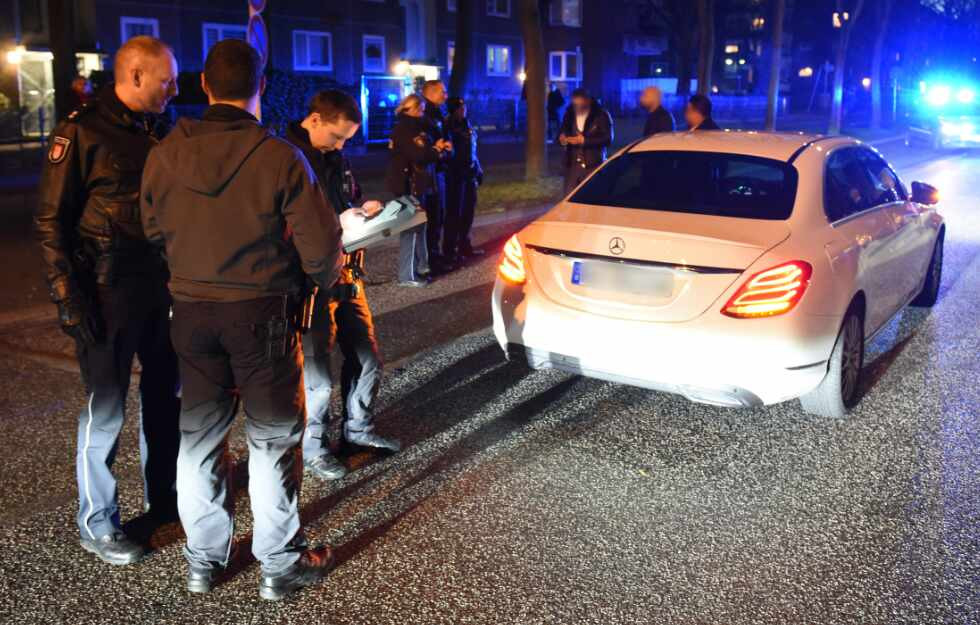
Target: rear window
[705,183]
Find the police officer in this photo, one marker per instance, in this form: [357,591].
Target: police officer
[463,177]
[110,286]
[242,219]
[434,94]
[345,318]
[586,133]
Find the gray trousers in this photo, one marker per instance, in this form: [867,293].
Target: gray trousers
[224,359]
[348,323]
[413,254]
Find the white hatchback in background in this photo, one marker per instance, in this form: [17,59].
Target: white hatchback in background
[733,268]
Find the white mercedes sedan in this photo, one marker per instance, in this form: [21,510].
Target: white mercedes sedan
[733,268]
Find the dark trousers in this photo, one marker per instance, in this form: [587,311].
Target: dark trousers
[554,124]
[224,359]
[460,210]
[434,204]
[348,323]
[136,316]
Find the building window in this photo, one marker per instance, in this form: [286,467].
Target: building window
[565,66]
[213,33]
[450,55]
[451,6]
[130,27]
[498,8]
[373,47]
[565,13]
[498,60]
[312,51]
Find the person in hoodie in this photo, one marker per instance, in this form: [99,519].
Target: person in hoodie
[333,119]
[243,222]
[110,287]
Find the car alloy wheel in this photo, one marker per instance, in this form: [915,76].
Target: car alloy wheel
[853,356]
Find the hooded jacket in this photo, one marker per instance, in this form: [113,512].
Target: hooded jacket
[239,211]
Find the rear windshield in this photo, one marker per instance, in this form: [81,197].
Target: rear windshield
[706,183]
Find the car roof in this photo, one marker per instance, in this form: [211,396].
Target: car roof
[775,145]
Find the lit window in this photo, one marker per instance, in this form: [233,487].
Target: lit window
[374,53]
[312,51]
[498,60]
[213,33]
[565,13]
[564,66]
[498,8]
[130,27]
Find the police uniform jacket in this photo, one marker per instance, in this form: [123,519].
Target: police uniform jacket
[239,210]
[88,221]
[598,135]
[464,161]
[437,127]
[411,168]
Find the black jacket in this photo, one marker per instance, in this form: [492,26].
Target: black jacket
[464,161]
[598,137]
[555,101]
[240,211]
[413,157]
[87,220]
[707,124]
[331,168]
[659,120]
[437,128]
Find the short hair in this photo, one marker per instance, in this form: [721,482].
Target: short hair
[581,92]
[454,103]
[701,103]
[429,85]
[233,70]
[134,48]
[333,104]
[411,101]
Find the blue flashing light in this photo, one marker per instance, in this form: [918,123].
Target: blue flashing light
[393,97]
[965,95]
[938,95]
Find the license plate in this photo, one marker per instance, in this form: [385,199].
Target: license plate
[623,278]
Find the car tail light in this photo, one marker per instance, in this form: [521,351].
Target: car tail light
[511,266]
[770,292]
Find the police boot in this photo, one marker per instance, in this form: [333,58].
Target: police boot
[202,579]
[115,548]
[326,467]
[309,569]
[367,438]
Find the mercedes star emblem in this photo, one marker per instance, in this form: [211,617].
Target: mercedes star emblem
[617,246]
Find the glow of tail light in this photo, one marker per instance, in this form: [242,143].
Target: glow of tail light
[770,292]
[511,266]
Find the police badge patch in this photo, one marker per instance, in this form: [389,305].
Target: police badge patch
[59,149]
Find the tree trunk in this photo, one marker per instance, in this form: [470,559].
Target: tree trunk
[837,104]
[706,44]
[772,99]
[884,14]
[61,19]
[683,45]
[535,154]
[463,48]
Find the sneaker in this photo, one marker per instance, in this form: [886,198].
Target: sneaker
[326,467]
[415,284]
[308,570]
[373,441]
[115,548]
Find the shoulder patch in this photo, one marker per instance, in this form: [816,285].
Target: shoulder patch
[59,149]
[420,140]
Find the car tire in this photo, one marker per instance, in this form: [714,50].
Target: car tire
[934,275]
[839,389]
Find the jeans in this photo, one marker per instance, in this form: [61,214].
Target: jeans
[413,254]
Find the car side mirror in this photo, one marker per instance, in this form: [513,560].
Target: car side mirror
[925,193]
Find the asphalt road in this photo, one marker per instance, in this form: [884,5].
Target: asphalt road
[546,498]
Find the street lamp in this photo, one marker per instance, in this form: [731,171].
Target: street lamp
[401,67]
[522,76]
[16,55]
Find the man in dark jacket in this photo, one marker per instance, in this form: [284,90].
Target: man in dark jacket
[659,119]
[464,176]
[243,219]
[697,114]
[586,133]
[555,101]
[434,93]
[345,319]
[110,287]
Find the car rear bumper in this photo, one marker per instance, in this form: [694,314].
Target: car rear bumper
[713,359]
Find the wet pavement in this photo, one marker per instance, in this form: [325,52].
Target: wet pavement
[539,497]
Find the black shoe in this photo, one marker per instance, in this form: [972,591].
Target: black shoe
[415,284]
[115,548]
[310,569]
[326,467]
[373,441]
